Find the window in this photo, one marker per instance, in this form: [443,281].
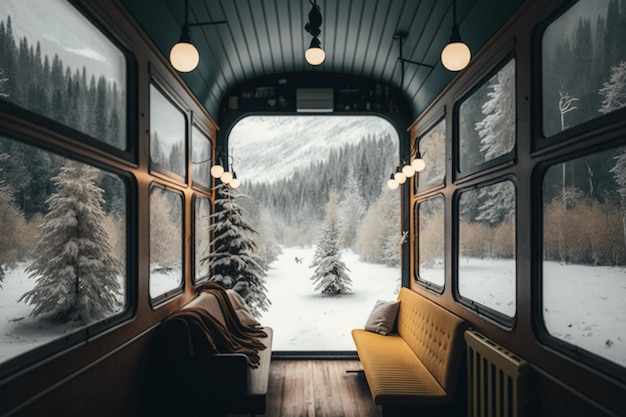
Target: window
[68,72]
[201,157]
[62,248]
[202,236]
[316,206]
[432,147]
[486,264]
[431,239]
[167,134]
[487,122]
[584,253]
[583,65]
[166,242]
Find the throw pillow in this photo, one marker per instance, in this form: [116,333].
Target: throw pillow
[383,317]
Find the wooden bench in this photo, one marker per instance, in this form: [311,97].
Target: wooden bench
[211,384]
[421,363]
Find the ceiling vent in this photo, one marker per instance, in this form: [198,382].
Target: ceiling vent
[314,100]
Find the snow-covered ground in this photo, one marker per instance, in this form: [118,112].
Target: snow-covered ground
[583,305]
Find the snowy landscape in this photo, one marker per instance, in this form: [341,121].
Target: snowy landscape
[303,319]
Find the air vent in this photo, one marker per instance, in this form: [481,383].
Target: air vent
[313,100]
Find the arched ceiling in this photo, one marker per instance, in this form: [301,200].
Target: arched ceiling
[267,37]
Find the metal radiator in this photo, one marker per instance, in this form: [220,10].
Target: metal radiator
[495,379]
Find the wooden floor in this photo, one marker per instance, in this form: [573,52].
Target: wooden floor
[318,388]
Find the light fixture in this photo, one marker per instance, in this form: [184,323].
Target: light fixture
[409,169]
[226,177]
[400,37]
[315,55]
[456,55]
[184,56]
[418,163]
[391,183]
[234,183]
[217,170]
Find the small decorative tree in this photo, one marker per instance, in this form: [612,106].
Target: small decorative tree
[76,271]
[330,271]
[233,262]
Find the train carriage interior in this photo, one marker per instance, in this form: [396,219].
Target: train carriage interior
[135,282]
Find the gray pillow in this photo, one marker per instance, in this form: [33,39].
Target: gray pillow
[383,317]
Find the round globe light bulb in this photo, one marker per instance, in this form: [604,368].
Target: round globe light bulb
[315,56]
[226,177]
[234,183]
[408,171]
[418,164]
[184,57]
[392,184]
[456,56]
[217,171]
[399,177]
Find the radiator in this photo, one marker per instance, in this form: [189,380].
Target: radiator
[495,379]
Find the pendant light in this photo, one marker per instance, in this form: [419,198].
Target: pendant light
[315,55]
[456,55]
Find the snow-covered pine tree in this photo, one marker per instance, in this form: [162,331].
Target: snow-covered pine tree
[350,211]
[497,128]
[266,243]
[233,262]
[614,97]
[330,271]
[76,272]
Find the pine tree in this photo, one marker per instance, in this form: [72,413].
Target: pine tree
[497,128]
[330,271]
[74,265]
[350,212]
[10,217]
[233,261]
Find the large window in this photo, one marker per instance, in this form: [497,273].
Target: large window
[166,242]
[328,235]
[584,253]
[432,148]
[168,148]
[62,248]
[487,130]
[583,64]
[201,157]
[68,72]
[431,240]
[486,263]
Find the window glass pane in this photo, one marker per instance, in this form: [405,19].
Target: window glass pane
[487,120]
[316,209]
[202,236]
[166,241]
[200,157]
[432,147]
[431,239]
[62,247]
[487,246]
[584,64]
[167,134]
[69,72]
[583,253]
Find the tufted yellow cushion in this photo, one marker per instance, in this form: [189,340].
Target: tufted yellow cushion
[419,364]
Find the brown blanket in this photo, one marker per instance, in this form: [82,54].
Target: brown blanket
[209,336]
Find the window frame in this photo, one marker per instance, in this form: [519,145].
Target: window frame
[544,337]
[203,131]
[155,168]
[476,307]
[416,188]
[503,160]
[586,129]
[429,285]
[174,292]
[195,199]
[87,332]
[76,137]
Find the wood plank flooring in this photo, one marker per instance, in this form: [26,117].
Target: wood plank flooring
[318,388]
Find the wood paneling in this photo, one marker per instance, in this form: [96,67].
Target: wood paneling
[318,388]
